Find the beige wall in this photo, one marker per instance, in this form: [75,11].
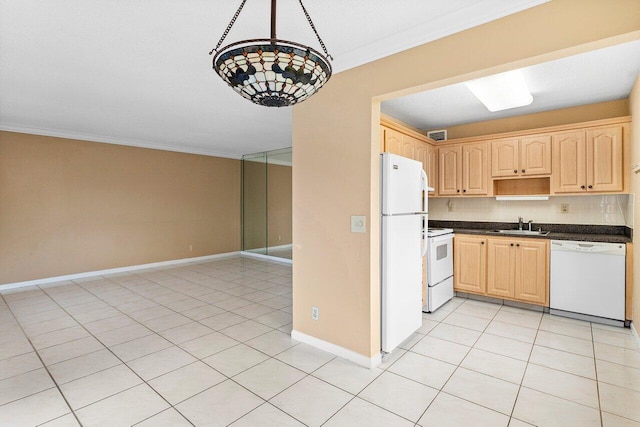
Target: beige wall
[69,206]
[601,110]
[336,143]
[634,104]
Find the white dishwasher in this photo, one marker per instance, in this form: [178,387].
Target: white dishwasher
[588,279]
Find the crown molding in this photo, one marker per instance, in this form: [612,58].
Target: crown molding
[112,140]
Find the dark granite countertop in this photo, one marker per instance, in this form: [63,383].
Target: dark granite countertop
[583,233]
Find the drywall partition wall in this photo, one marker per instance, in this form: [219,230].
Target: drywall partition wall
[69,206]
[634,104]
[582,113]
[336,145]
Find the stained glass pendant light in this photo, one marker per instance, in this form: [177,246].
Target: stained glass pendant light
[272,72]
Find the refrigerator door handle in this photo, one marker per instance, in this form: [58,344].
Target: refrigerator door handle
[424,242]
[425,187]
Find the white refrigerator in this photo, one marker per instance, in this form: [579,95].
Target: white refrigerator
[403,245]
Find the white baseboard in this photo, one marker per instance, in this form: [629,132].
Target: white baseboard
[287,246]
[345,353]
[634,333]
[114,270]
[267,257]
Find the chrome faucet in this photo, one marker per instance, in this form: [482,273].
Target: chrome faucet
[530,222]
[520,223]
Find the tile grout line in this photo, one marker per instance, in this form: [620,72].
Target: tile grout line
[595,368]
[524,374]
[441,389]
[46,368]
[117,357]
[143,380]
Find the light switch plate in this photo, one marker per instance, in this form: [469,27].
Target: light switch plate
[358,224]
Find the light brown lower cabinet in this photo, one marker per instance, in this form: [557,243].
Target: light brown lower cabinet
[469,263]
[516,269]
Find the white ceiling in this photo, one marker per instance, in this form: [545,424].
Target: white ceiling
[601,75]
[137,72]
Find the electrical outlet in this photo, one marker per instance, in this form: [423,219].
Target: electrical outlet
[564,208]
[190,248]
[450,206]
[315,313]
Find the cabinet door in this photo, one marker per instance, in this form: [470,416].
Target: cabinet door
[449,170]
[432,171]
[535,155]
[569,162]
[409,146]
[393,142]
[422,154]
[475,169]
[501,268]
[428,155]
[532,273]
[604,159]
[469,264]
[504,157]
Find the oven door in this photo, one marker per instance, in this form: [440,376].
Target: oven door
[439,259]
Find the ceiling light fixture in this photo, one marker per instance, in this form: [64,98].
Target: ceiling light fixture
[501,91]
[272,72]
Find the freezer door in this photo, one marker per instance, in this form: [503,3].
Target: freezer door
[403,185]
[401,295]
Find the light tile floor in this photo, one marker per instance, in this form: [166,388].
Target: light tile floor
[208,344]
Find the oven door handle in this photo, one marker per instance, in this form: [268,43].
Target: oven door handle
[441,238]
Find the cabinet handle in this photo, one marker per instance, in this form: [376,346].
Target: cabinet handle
[464,191]
[458,191]
[523,170]
[515,171]
[482,243]
[518,244]
[582,186]
[511,244]
[591,186]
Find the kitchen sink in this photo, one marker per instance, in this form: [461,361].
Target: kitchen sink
[521,232]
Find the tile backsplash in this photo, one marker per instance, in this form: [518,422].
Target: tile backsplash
[597,210]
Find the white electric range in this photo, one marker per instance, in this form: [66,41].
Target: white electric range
[439,268]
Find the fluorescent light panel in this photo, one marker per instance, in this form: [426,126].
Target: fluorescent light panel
[501,91]
[520,198]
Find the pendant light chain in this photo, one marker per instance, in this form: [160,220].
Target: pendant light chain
[313,27]
[233,21]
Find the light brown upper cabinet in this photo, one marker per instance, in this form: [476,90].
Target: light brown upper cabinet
[392,141]
[588,160]
[432,167]
[529,156]
[398,143]
[462,170]
[427,155]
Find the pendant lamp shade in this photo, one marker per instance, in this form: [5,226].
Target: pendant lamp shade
[272,72]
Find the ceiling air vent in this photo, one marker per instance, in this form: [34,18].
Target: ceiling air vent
[438,135]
